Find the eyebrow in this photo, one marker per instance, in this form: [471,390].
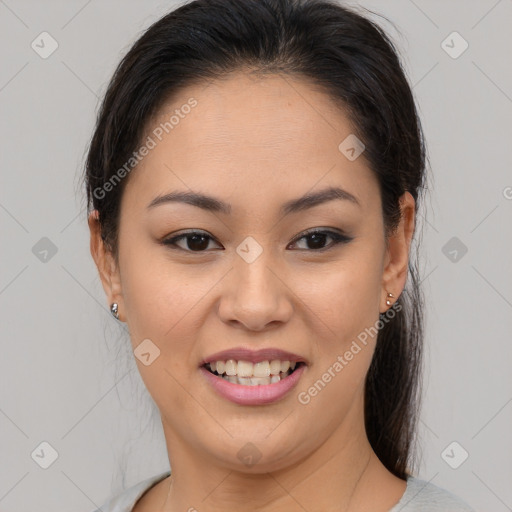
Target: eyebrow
[213,204]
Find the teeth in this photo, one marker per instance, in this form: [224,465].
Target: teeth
[261,369]
[254,381]
[253,374]
[221,367]
[244,369]
[231,367]
[260,381]
[248,369]
[275,367]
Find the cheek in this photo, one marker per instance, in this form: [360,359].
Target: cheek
[342,299]
[345,303]
[160,302]
[159,296]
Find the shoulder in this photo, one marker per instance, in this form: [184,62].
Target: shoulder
[423,496]
[125,501]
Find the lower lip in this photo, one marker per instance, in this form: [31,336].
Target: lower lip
[254,395]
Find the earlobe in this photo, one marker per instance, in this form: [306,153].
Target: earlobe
[105,262]
[397,253]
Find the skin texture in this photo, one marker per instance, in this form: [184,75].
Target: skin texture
[256,143]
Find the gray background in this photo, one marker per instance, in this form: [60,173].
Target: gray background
[67,375]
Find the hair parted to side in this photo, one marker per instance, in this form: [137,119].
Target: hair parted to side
[357,65]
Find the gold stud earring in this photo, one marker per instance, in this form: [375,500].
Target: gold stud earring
[388,302]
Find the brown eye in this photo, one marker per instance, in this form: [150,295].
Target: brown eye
[316,239]
[195,241]
[198,241]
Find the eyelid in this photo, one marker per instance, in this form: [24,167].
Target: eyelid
[312,231]
[337,235]
[338,238]
[170,241]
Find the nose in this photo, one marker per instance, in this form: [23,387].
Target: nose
[256,296]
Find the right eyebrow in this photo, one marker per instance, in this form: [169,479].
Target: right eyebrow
[195,199]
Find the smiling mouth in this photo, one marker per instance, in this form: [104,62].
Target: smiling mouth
[249,374]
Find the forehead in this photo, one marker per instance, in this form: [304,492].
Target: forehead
[272,136]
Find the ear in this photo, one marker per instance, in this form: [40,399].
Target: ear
[106,264]
[396,258]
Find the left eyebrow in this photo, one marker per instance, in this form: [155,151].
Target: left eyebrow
[314,199]
[213,204]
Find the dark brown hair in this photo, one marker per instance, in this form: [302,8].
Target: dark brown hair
[355,62]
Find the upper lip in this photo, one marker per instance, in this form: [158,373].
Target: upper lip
[254,356]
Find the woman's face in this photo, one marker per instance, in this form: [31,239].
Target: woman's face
[254,277]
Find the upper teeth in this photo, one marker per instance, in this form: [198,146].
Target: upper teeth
[248,369]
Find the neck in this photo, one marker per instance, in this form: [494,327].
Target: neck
[342,475]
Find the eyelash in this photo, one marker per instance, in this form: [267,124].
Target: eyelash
[338,238]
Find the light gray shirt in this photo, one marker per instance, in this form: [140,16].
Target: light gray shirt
[419,496]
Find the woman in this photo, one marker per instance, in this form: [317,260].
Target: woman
[234,137]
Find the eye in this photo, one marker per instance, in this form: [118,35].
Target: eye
[195,241]
[318,237]
[198,241]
